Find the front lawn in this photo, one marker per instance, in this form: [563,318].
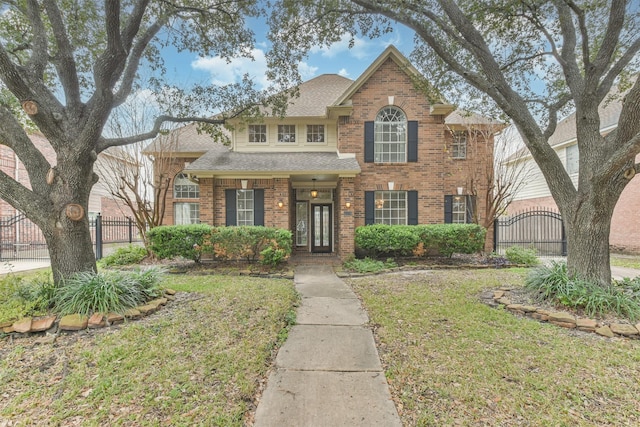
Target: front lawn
[198,361]
[451,360]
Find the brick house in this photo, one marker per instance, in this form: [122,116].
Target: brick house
[348,153]
[100,200]
[625,226]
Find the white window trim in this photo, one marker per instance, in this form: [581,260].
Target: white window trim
[461,203]
[377,144]
[460,139]
[266,135]
[383,199]
[192,185]
[324,135]
[192,219]
[295,135]
[252,210]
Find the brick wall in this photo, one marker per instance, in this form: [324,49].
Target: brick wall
[435,174]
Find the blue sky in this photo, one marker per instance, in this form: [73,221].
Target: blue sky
[187,68]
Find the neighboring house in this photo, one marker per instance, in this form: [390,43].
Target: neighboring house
[348,153]
[100,200]
[625,226]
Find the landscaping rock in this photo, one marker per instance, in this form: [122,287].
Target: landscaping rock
[8,329]
[588,325]
[132,313]
[5,324]
[114,318]
[623,329]
[169,291]
[504,301]
[42,324]
[529,308]
[605,331]
[23,325]
[498,294]
[49,339]
[539,316]
[158,301]
[515,307]
[73,322]
[562,317]
[147,309]
[96,321]
[568,325]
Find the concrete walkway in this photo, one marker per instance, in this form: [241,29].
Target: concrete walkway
[328,372]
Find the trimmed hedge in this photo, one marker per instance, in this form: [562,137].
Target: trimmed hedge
[269,246]
[420,240]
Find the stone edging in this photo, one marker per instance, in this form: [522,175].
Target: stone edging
[500,298]
[75,322]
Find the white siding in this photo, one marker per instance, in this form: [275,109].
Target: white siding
[241,136]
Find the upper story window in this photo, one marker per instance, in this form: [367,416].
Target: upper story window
[184,188]
[572,159]
[390,133]
[286,133]
[257,133]
[315,133]
[459,145]
[391,207]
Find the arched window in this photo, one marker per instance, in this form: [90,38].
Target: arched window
[390,136]
[184,188]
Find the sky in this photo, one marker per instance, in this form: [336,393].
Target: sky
[187,68]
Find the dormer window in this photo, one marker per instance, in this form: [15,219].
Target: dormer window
[315,133]
[286,133]
[257,133]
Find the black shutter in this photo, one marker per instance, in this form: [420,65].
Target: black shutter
[471,209]
[368,142]
[412,207]
[412,141]
[448,209]
[230,199]
[258,207]
[369,207]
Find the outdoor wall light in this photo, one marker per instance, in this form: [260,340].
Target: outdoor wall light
[280,204]
[347,205]
[460,191]
[314,192]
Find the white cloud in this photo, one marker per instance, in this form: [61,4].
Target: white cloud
[306,71]
[224,72]
[343,72]
[361,49]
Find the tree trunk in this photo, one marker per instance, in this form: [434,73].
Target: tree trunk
[70,248]
[587,233]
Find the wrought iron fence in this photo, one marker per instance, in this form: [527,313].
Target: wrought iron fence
[541,229]
[21,239]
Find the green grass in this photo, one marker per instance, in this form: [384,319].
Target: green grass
[627,261]
[452,360]
[193,363]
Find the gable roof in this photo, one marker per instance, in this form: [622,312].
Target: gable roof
[189,143]
[316,94]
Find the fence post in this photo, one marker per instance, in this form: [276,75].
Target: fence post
[496,224]
[98,236]
[564,238]
[130,229]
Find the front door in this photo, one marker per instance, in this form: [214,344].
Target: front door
[321,228]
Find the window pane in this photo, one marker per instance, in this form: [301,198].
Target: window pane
[286,133]
[186,213]
[459,211]
[315,133]
[184,188]
[257,133]
[244,207]
[390,133]
[459,146]
[390,207]
[301,224]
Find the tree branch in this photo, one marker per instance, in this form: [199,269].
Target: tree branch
[39,56]
[569,64]
[610,39]
[584,33]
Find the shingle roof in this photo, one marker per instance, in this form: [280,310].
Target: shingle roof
[273,162]
[317,94]
[188,141]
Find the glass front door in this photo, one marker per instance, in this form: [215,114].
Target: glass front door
[321,228]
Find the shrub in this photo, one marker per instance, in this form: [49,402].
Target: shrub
[522,256]
[186,241]
[368,265]
[390,240]
[111,291]
[20,298]
[420,240]
[269,246]
[124,256]
[553,283]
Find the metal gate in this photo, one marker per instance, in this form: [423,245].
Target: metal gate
[21,239]
[540,229]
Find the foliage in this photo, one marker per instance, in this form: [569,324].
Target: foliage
[522,256]
[555,284]
[420,240]
[106,292]
[124,256]
[368,265]
[186,241]
[269,246]
[21,298]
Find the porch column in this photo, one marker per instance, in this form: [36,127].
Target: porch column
[345,216]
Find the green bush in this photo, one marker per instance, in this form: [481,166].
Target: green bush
[20,298]
[389,240]
[124,256]
[106,292]
[368,265]
[420,240]
[554,284]
[522,256]
[269,246]
[186,241]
